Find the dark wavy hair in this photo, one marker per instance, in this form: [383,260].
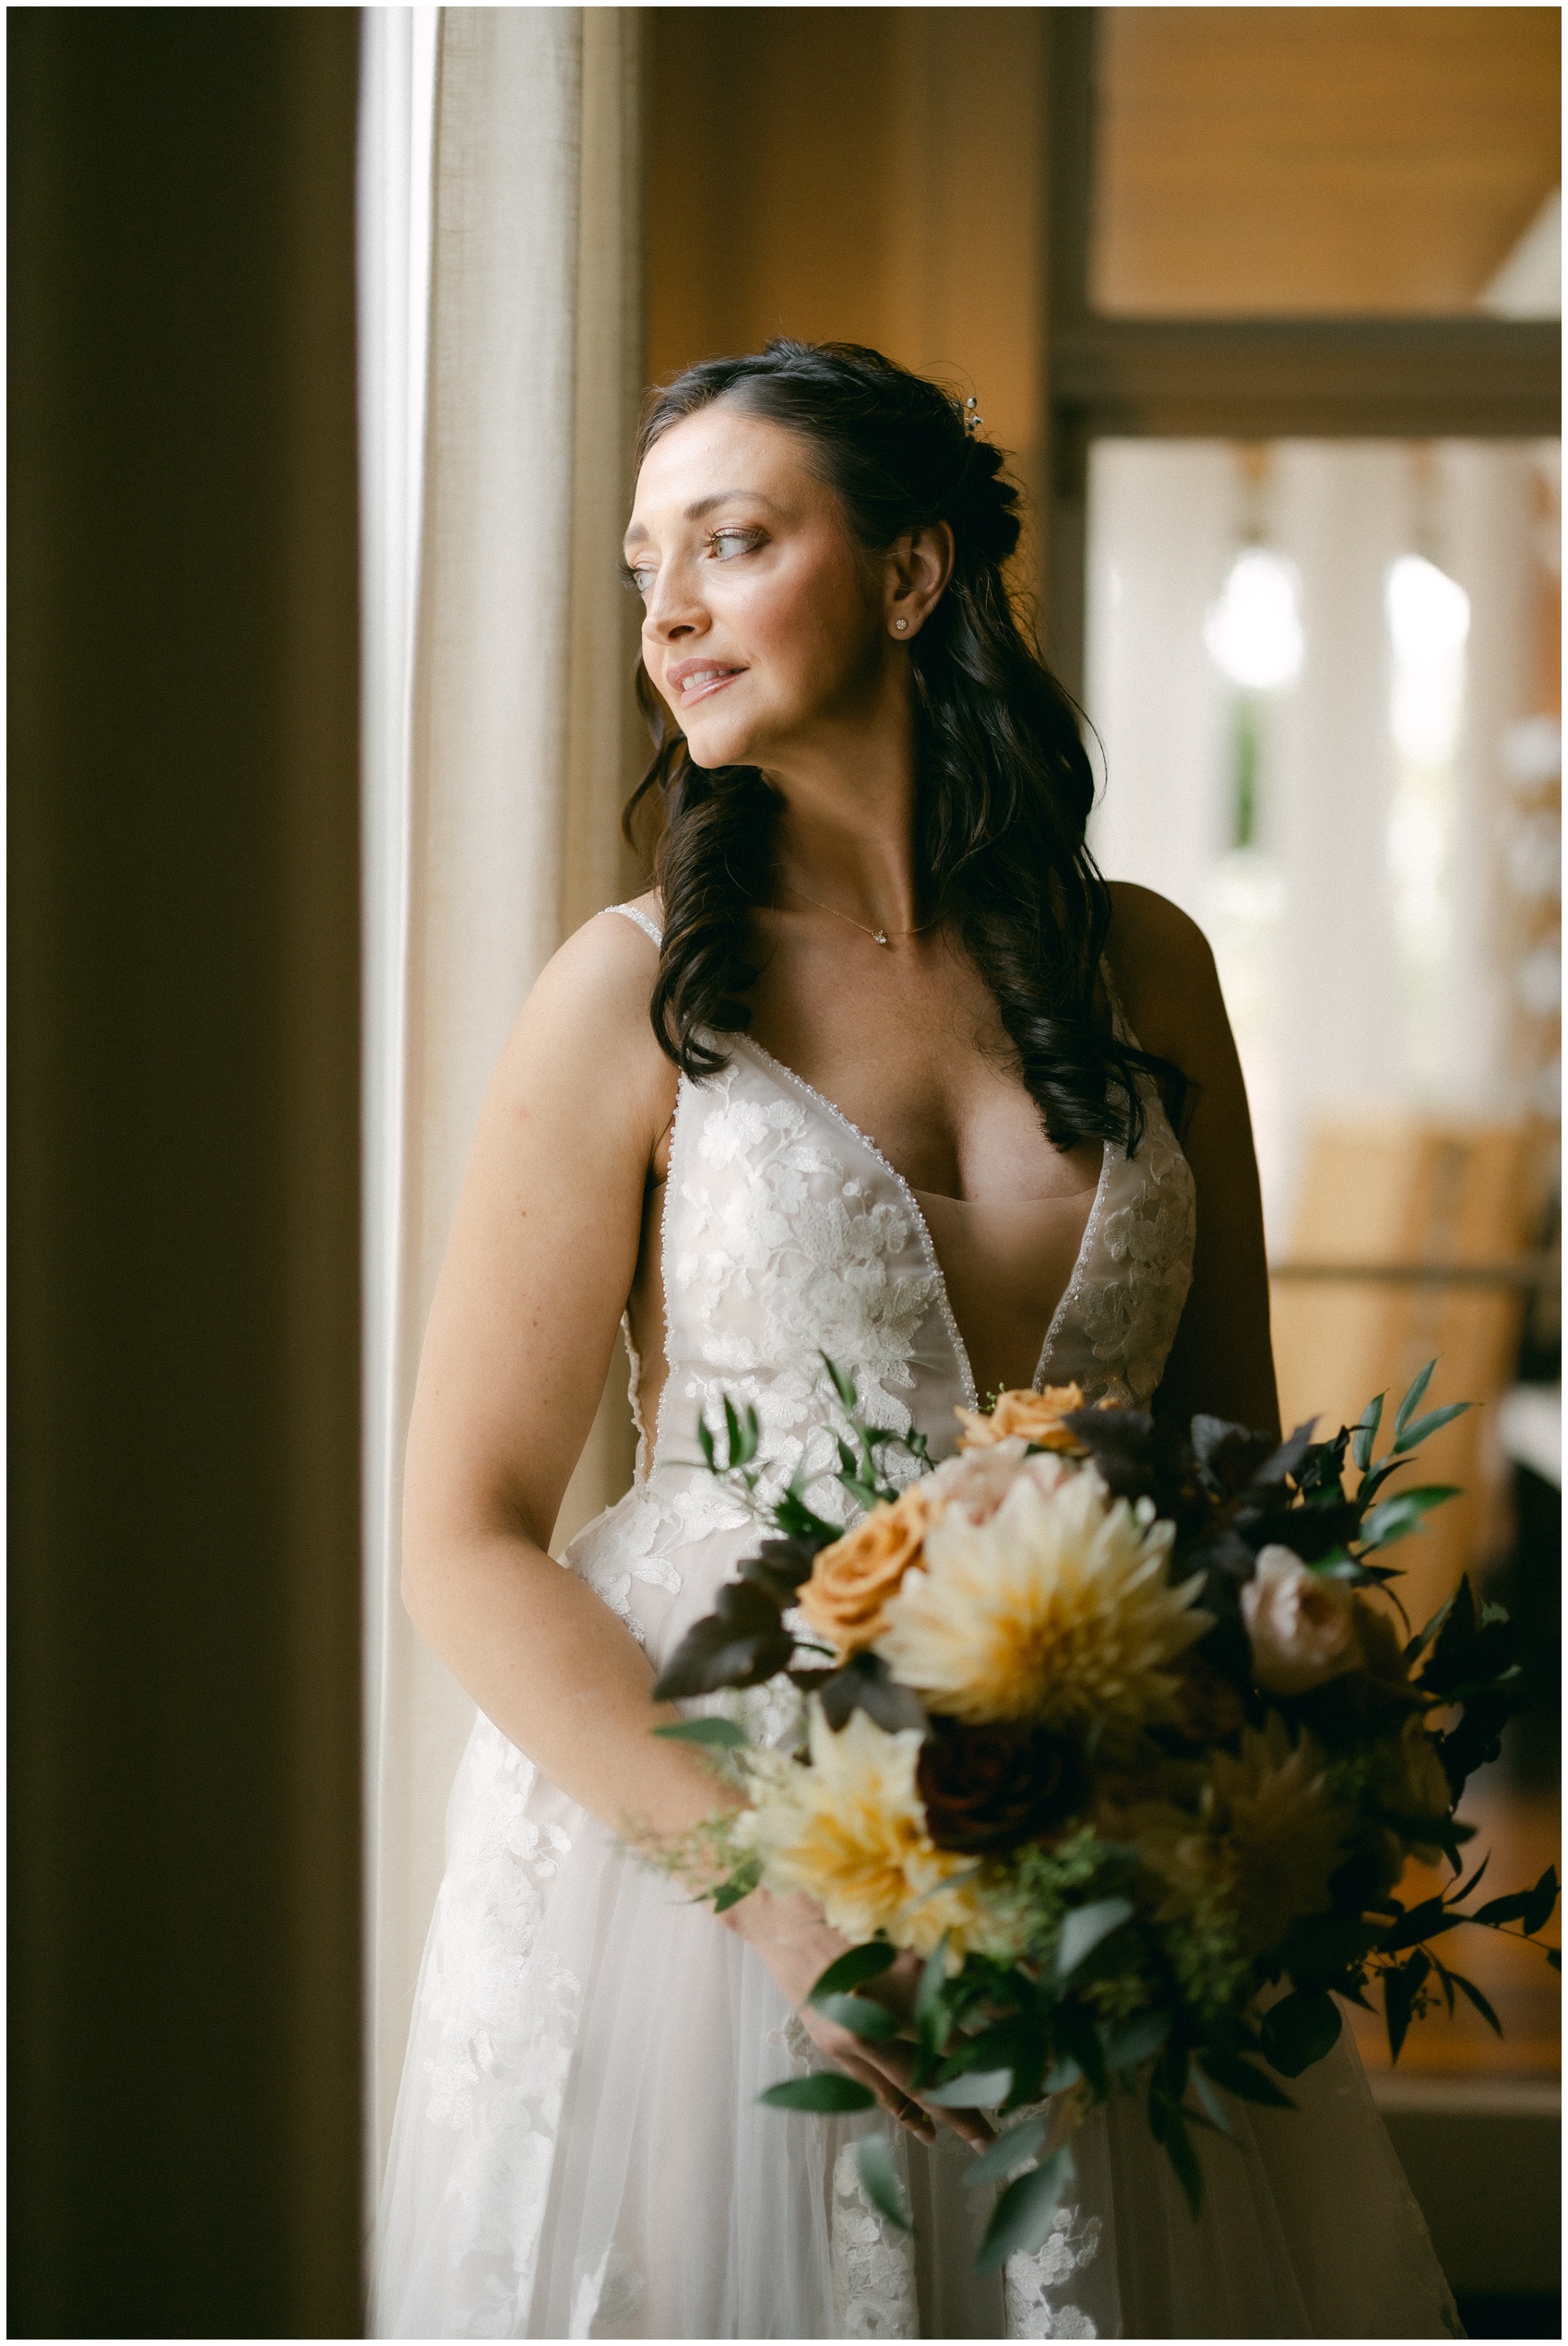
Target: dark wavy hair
[1003,787]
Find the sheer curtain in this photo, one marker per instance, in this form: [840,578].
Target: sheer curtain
[500,367]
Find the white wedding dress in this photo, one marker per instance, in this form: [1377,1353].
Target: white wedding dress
[578,2151]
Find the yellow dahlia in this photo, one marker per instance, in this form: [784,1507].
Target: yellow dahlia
[849,1830]
[1284,1834]
[1058,1609]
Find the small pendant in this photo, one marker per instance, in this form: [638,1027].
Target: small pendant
[881,935]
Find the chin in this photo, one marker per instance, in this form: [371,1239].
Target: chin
[714,745]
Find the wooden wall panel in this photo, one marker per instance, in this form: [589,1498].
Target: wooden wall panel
[1300,159]
[869,175]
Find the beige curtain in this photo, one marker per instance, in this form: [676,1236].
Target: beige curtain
[503,747]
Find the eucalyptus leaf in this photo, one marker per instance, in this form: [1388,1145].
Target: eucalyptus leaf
[1184,2158]
[825,2091]
[1214,2108]
[1366,1433]
[976,2090]
[1543,1899]
[1084,1927]
[1025,2212]
[1009,2151]
[880,2180]
[1135,2041]
[857,2014]
[852,1971]
[929,2015]
[1393,1518]
[1299,2029]
[1240,2078]
[1434,1420]
[721,1733]
[741,1884]
[1413,1401]
[1469,1989]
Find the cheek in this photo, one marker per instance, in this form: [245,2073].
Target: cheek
[811,626]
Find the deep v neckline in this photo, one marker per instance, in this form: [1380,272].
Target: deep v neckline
[830,1108]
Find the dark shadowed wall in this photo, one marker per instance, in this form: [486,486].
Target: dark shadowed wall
[184,1110]
[868,174]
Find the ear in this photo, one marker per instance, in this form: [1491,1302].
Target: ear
[919,565]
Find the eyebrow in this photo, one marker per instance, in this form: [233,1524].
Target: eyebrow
[636,533]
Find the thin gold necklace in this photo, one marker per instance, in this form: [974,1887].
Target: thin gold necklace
[878,936]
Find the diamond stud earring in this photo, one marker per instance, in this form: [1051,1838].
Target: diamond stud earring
[901,624]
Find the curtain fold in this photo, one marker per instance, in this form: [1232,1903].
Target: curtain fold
[502,361]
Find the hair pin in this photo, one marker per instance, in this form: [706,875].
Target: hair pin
[973,421]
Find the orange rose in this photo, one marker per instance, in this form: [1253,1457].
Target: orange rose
[1037,1416]
[852,1580]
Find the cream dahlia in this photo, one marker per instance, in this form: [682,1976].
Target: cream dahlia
[1057,1609]
[849,1830]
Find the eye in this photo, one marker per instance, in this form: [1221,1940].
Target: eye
[726,544]
[637,575]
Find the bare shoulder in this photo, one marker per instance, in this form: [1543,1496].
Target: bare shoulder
[1165,975]
[584,1036]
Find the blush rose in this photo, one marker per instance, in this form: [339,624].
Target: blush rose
[1304,1627]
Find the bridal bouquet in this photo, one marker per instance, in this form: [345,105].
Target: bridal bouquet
[1120,1731]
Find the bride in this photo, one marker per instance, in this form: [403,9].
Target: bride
[882,1069]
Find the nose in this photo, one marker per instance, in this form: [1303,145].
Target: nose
[674,608]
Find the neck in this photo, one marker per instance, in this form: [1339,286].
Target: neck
[846,834]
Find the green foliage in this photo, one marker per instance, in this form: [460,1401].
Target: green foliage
[859,2015]
[826,2092]
[1083,1929]
[1011,2149]
[880,2180]
[1025,2212]
[853,1970]
[976,2090]
[720,1734]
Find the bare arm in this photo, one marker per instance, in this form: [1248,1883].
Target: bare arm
[540,1260]
[1222,1360]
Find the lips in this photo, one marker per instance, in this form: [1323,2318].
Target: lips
[695,680]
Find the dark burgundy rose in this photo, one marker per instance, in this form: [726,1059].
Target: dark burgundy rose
[989,1789]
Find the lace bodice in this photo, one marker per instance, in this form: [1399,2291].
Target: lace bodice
[787,1234]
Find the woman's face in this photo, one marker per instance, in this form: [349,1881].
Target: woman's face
[763,624]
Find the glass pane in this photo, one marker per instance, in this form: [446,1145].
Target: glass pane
[1325,160]
[1324,675]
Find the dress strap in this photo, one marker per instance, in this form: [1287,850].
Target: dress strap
[630,912]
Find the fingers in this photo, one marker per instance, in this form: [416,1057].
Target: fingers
[885,2065]
[892,2098]
[896,2062]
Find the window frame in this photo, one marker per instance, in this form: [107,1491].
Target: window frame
[1236,378]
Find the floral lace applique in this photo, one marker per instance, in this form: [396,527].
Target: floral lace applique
[1119,1315]
[781,1253]
[1030,2282]
[873,2266]
[605,2301]
[792,2040]
[507,2012]
[645,1528]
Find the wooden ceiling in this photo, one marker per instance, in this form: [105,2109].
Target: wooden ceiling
[1327,159]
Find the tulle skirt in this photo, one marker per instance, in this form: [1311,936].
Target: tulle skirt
[579,2153]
